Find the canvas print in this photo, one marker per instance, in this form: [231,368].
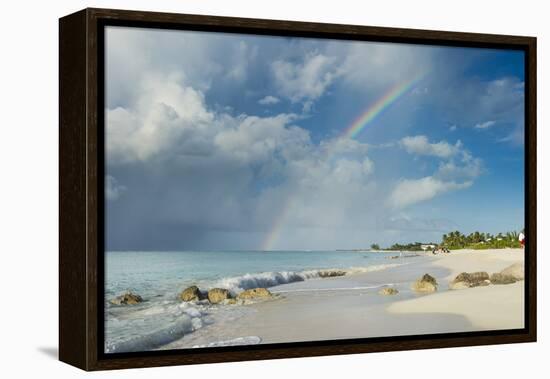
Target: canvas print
[269,189]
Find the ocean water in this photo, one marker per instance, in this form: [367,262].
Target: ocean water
[158,277]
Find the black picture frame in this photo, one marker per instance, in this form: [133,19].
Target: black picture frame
[81,183]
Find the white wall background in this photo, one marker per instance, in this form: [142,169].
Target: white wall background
[28,200]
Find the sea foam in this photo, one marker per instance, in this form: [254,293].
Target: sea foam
[240,283]
[250,340]
[185,319]
[154,339]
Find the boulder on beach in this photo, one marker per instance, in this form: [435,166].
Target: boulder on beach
[331,273]
[469,280]
[254,293]
[517,271]
[191,293]
[217,295]
[388,291]
[425,284]
[128,298]
[499,278]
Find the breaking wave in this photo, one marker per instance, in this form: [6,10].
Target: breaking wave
[240,283]
[185,319]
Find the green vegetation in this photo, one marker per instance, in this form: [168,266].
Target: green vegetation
[476,240]
[456,240]
[415,246]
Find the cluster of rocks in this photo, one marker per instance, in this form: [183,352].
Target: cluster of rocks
[214,296]
[331,273]
[428,283]
[425,284]
[509,275]
[222,295]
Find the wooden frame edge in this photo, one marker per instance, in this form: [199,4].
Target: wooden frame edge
[72,189]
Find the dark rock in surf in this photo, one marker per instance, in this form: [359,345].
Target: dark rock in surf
[128,298]
[254,293]
[331,273]
[218,295]
[191,294]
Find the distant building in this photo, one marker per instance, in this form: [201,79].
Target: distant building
[426,247]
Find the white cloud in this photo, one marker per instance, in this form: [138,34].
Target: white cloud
[344,146]
[516,137]
[375,66]
[411,191]
[269,100]
[485,125]
[113,190]
[465,168]
[205,59]
[253,139]
[457,169]
[352,171]
[159,120]
[306,80]
[421,145]
[240,60]
[329,181]
[502,96]
[453,128]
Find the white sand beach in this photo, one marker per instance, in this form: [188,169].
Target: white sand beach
[491,307]
[351,307]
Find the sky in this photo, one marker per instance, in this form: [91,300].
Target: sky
[218,141]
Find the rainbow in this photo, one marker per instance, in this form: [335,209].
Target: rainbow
[278,225]
[390,97]
[352,131]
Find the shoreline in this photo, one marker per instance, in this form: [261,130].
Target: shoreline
[350,306]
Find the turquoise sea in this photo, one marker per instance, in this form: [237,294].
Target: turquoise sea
[158,277]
